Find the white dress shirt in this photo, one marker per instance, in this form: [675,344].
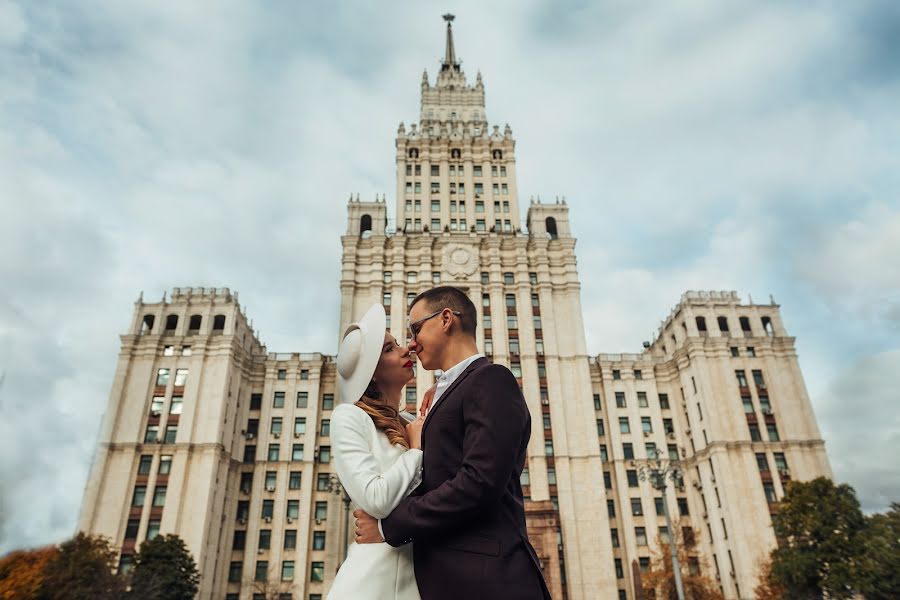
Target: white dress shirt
[449,376]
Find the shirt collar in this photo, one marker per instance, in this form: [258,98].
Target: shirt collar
[456,370]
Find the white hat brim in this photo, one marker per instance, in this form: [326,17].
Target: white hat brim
[359,353]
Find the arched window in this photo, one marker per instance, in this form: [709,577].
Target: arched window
[414,153]
[365,226]
[767,325]
[498,154]
[723,324]
[218,323]
[701,325]
[194,324]
[551,228]
[171,322]
[147,327]
[455,153]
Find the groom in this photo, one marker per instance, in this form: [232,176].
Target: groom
[467,518]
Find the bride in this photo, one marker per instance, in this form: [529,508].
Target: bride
[376,453]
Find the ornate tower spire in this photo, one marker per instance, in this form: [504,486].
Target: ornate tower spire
[449,52]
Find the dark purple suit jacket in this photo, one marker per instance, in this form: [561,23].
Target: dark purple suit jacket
[467,517]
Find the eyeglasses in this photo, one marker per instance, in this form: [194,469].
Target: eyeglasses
[416,326]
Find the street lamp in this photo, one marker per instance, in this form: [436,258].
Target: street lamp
[657,471]
[334,486]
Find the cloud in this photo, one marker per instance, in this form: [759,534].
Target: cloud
[702,146]
[861,422]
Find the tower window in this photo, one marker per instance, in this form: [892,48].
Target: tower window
[148,324]
[551,228]
[455,153]
[497,154]
[413,153]
[365,225]
[171,322]
[218,323]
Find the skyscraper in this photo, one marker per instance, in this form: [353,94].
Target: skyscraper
[210,436]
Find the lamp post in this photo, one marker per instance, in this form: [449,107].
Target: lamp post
[657,471]
[335,487]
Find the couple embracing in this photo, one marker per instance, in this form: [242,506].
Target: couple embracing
[440,510]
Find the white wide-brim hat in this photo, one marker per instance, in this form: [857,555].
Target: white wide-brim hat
[359,352]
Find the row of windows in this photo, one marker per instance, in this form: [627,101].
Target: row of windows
[646,425]
[287,571]
[456,153]
[457,225]
[642,400]
[140,496]
[163,375]
[780,462]
[509,278]
[277,423]
[415,187]
[193,324]
[744,323]
[320,513]
[637,507]
[239,542]
[771,431]
[302,400]
[303,375]
[170,351]
[477,170]
[151,435]
[131,529]
[157,404]
[758,379]
[512,323]
[146,463]
[460,206]
[322,454]
[628,449]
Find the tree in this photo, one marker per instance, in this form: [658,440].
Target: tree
[22,573]
[819,529]
[659,582]
[164,570]
[84,567]
[767,588]
[270,589]
[881,556]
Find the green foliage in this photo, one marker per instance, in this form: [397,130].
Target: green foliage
[164,570]
[820,530]
[84,567]
[881,556]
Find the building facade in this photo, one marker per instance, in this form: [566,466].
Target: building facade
[210,436]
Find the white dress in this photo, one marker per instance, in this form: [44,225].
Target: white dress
[377,476]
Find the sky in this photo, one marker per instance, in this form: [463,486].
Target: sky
[701,145]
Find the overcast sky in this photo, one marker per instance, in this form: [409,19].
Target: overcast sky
[749,146]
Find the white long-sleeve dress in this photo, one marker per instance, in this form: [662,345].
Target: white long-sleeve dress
[377,476]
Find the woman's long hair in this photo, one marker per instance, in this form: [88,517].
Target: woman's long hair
[386,418]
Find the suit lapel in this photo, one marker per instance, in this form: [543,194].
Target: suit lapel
[443,399]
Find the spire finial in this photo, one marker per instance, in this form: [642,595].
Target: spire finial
[449,53]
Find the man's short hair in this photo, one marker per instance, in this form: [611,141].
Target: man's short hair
[447,296]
